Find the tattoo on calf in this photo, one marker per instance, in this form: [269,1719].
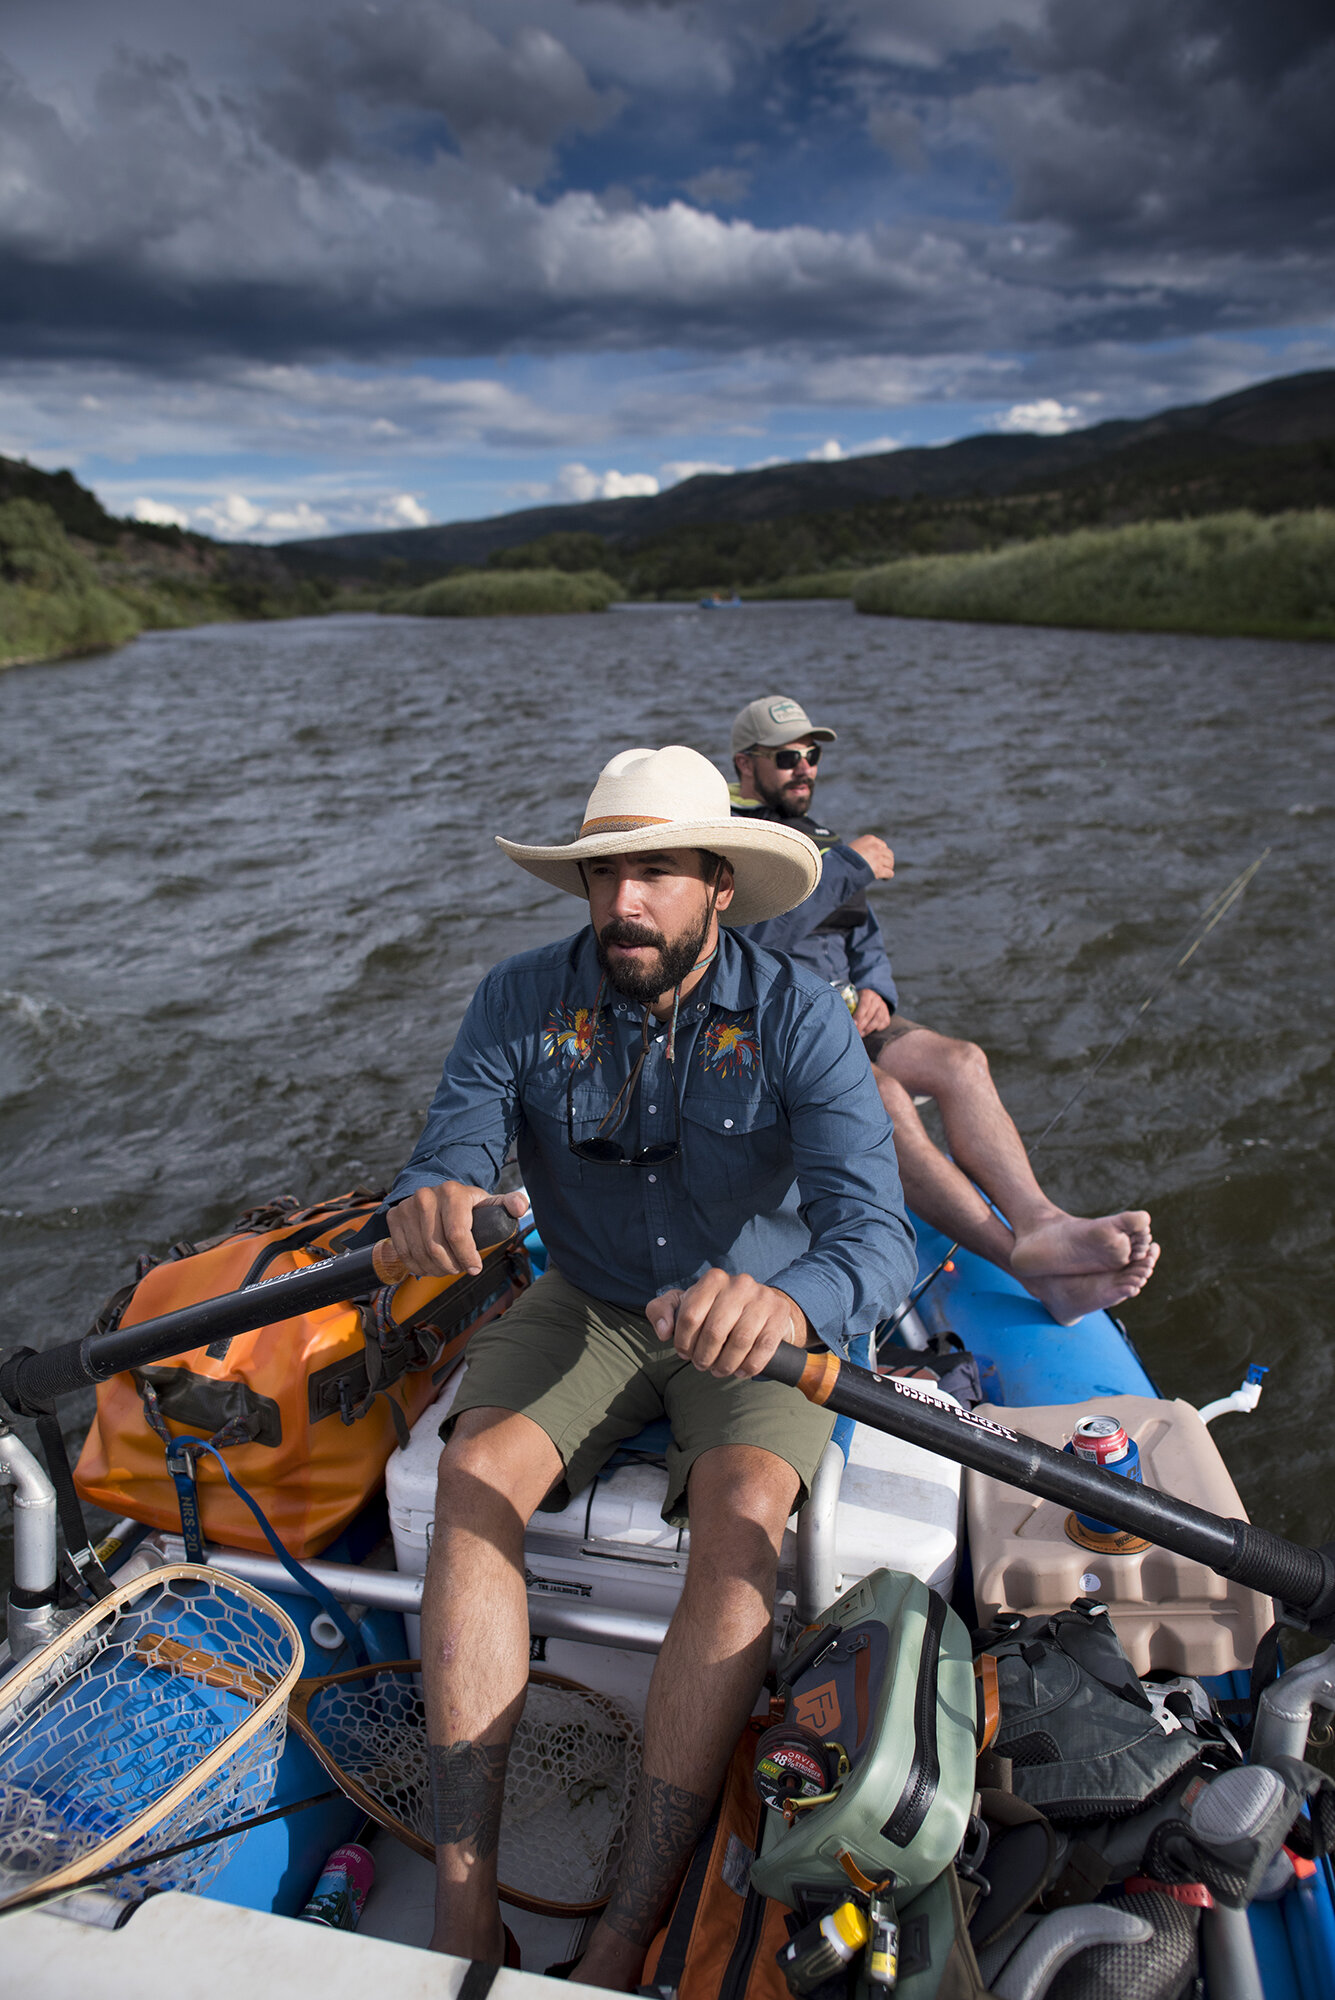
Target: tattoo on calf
[467,1788]
[664,1827]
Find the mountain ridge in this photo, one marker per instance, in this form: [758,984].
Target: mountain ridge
[1285,412]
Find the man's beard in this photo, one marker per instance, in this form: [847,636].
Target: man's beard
[779,798]
[675,960]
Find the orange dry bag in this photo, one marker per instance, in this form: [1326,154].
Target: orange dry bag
[307,1410]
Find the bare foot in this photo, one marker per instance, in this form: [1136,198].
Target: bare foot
[1074,1245]
[1070,1298]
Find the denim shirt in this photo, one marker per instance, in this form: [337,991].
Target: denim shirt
[787,1166]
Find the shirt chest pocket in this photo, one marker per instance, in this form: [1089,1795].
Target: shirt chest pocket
[551,1118]
[733,1139]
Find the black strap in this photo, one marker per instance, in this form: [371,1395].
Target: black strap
[672,1958]
[1265,1670]
[298,1239]
[89,1575]
[478,1981]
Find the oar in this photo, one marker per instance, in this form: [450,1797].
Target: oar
[30,1382]
[1301,1578]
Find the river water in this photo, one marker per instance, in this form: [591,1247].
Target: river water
[250,883]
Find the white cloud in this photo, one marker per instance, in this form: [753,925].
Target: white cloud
[156,512]
[828,453]
[402,510]
[676,469]
[579,482]
[231,517]
[1046,417]
[299,520]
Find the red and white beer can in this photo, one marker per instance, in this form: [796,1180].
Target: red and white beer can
[1100,1441]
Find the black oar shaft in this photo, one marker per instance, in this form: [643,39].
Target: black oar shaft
[1299,1577]
[30,1382]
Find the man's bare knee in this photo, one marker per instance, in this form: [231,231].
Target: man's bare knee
[933,1064]
[496,1461]
[741,1497]
[965,1062]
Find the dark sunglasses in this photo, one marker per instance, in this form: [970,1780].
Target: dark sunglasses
[788,760]
[602,1149]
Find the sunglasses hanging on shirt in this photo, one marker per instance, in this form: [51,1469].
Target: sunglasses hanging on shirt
[602,1149]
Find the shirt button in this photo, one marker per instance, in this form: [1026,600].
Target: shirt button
[727,1124]
[652,1178]
[652,1109]
[661,1241]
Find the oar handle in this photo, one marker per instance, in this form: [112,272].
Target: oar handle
[31,1382]
[1303,1579]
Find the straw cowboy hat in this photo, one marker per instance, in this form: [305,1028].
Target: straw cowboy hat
[647,800]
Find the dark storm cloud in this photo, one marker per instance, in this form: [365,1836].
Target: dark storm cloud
[1201,126]
[377,182]
[390,84]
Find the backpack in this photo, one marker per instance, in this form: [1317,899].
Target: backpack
[307,1410]
[1082,1735]
[885,1680]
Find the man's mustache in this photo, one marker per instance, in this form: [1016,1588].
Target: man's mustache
[621,931]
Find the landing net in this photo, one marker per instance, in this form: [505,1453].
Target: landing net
[569,1785]
[155,1716]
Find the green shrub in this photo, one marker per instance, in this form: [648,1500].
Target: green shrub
[51,603]
[821,583]
[1270,576]
[506,593]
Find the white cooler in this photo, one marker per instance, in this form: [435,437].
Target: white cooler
[898,1507]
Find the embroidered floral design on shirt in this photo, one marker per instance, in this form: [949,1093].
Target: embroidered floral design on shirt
[730,1047]
[573,1035]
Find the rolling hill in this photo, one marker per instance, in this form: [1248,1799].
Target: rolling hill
[1268,447]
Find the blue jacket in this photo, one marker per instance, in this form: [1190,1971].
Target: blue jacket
[834,932]
[787,1166]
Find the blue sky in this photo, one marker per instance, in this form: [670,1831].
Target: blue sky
[285,268]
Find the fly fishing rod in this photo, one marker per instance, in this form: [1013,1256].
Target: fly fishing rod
[1185,950]
[1302,1579]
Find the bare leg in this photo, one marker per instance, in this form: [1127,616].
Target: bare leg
[494,1471]
[704,1686]
[1072,1264]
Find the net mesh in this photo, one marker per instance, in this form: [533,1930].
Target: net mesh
[158,1715]
[569,1784]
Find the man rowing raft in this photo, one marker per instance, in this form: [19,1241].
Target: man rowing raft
[713,1173]
[1074,1264]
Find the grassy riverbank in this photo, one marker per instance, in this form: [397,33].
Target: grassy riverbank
[505,593]
[1227,575]
[64,592]
[51,601]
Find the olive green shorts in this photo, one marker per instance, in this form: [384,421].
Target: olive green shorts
[593,1374]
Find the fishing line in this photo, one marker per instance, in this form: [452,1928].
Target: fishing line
[1185,949]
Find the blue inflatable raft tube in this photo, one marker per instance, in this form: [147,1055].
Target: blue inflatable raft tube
[1024,1357]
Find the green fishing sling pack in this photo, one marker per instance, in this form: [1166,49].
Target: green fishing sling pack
[884,1687]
